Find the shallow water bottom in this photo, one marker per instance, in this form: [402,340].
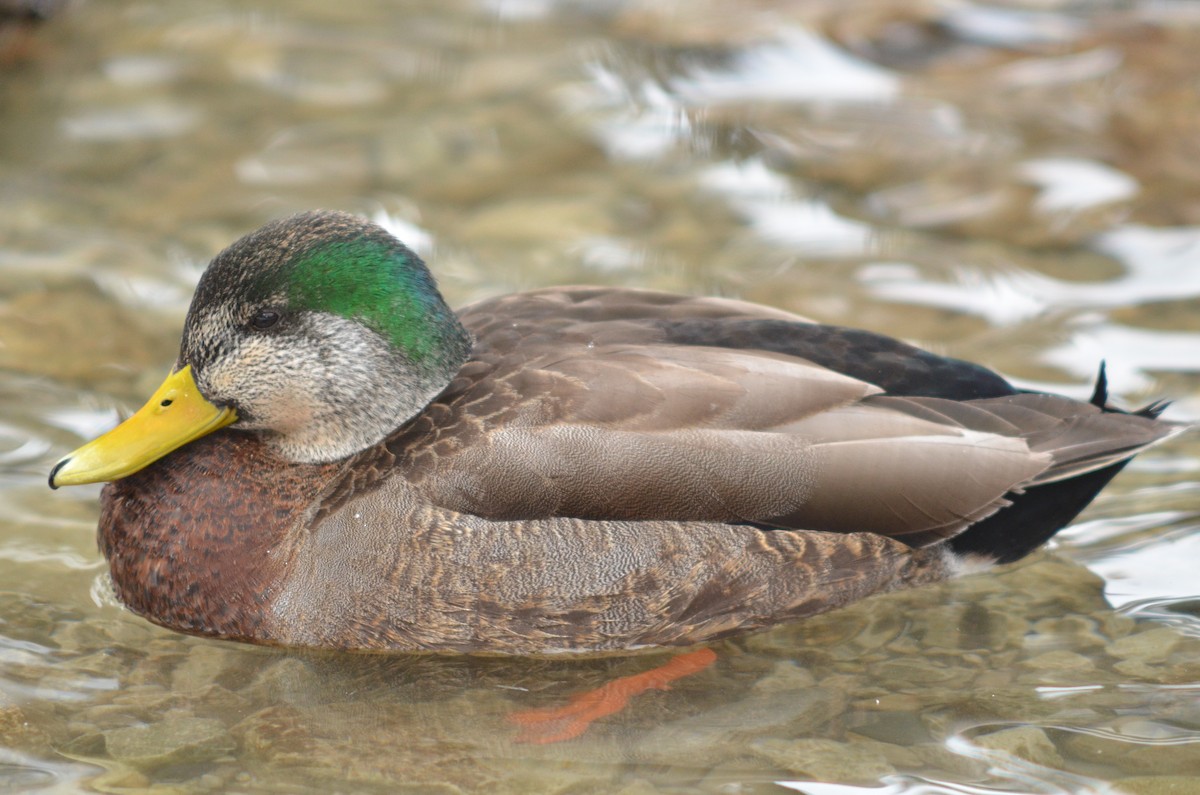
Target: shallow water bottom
[990,681]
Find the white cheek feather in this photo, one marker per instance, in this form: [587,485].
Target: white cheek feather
[328,388]
[278,386]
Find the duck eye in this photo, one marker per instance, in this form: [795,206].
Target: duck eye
[264,318]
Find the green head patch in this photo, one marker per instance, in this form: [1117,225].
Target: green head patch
[377,282]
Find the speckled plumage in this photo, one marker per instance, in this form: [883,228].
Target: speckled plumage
[608,469]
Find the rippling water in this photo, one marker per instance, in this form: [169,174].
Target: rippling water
[1011,183]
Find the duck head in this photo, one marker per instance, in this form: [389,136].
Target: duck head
[322,332]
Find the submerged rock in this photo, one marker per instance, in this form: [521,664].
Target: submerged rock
[824,760]
[172,741]
[1160,785]
[1024,742]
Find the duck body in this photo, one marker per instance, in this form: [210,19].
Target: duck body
[455,582]
[565,470]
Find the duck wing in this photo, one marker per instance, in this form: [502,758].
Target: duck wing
[608,404]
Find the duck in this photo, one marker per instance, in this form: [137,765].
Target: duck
[338,460]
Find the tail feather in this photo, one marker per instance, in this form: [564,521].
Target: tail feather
[1088,450]
[1099,397]
[1033,518]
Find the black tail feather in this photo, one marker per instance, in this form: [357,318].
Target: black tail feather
[1099,397]
[1152,410]
[1033,518]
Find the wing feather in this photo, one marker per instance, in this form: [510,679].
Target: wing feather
[578,405]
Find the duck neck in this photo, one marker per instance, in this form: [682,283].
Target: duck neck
[376,391]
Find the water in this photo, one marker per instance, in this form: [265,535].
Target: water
[1009,183]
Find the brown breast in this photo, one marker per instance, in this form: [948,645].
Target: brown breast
[197,541]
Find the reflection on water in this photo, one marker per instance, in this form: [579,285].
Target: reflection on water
[1029,672]
[799,67]
[1005,183]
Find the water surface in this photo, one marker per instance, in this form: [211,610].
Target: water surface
[1010,183]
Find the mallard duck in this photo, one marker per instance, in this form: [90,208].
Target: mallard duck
[338,460]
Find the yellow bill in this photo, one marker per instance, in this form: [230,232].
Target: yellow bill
[175,415]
